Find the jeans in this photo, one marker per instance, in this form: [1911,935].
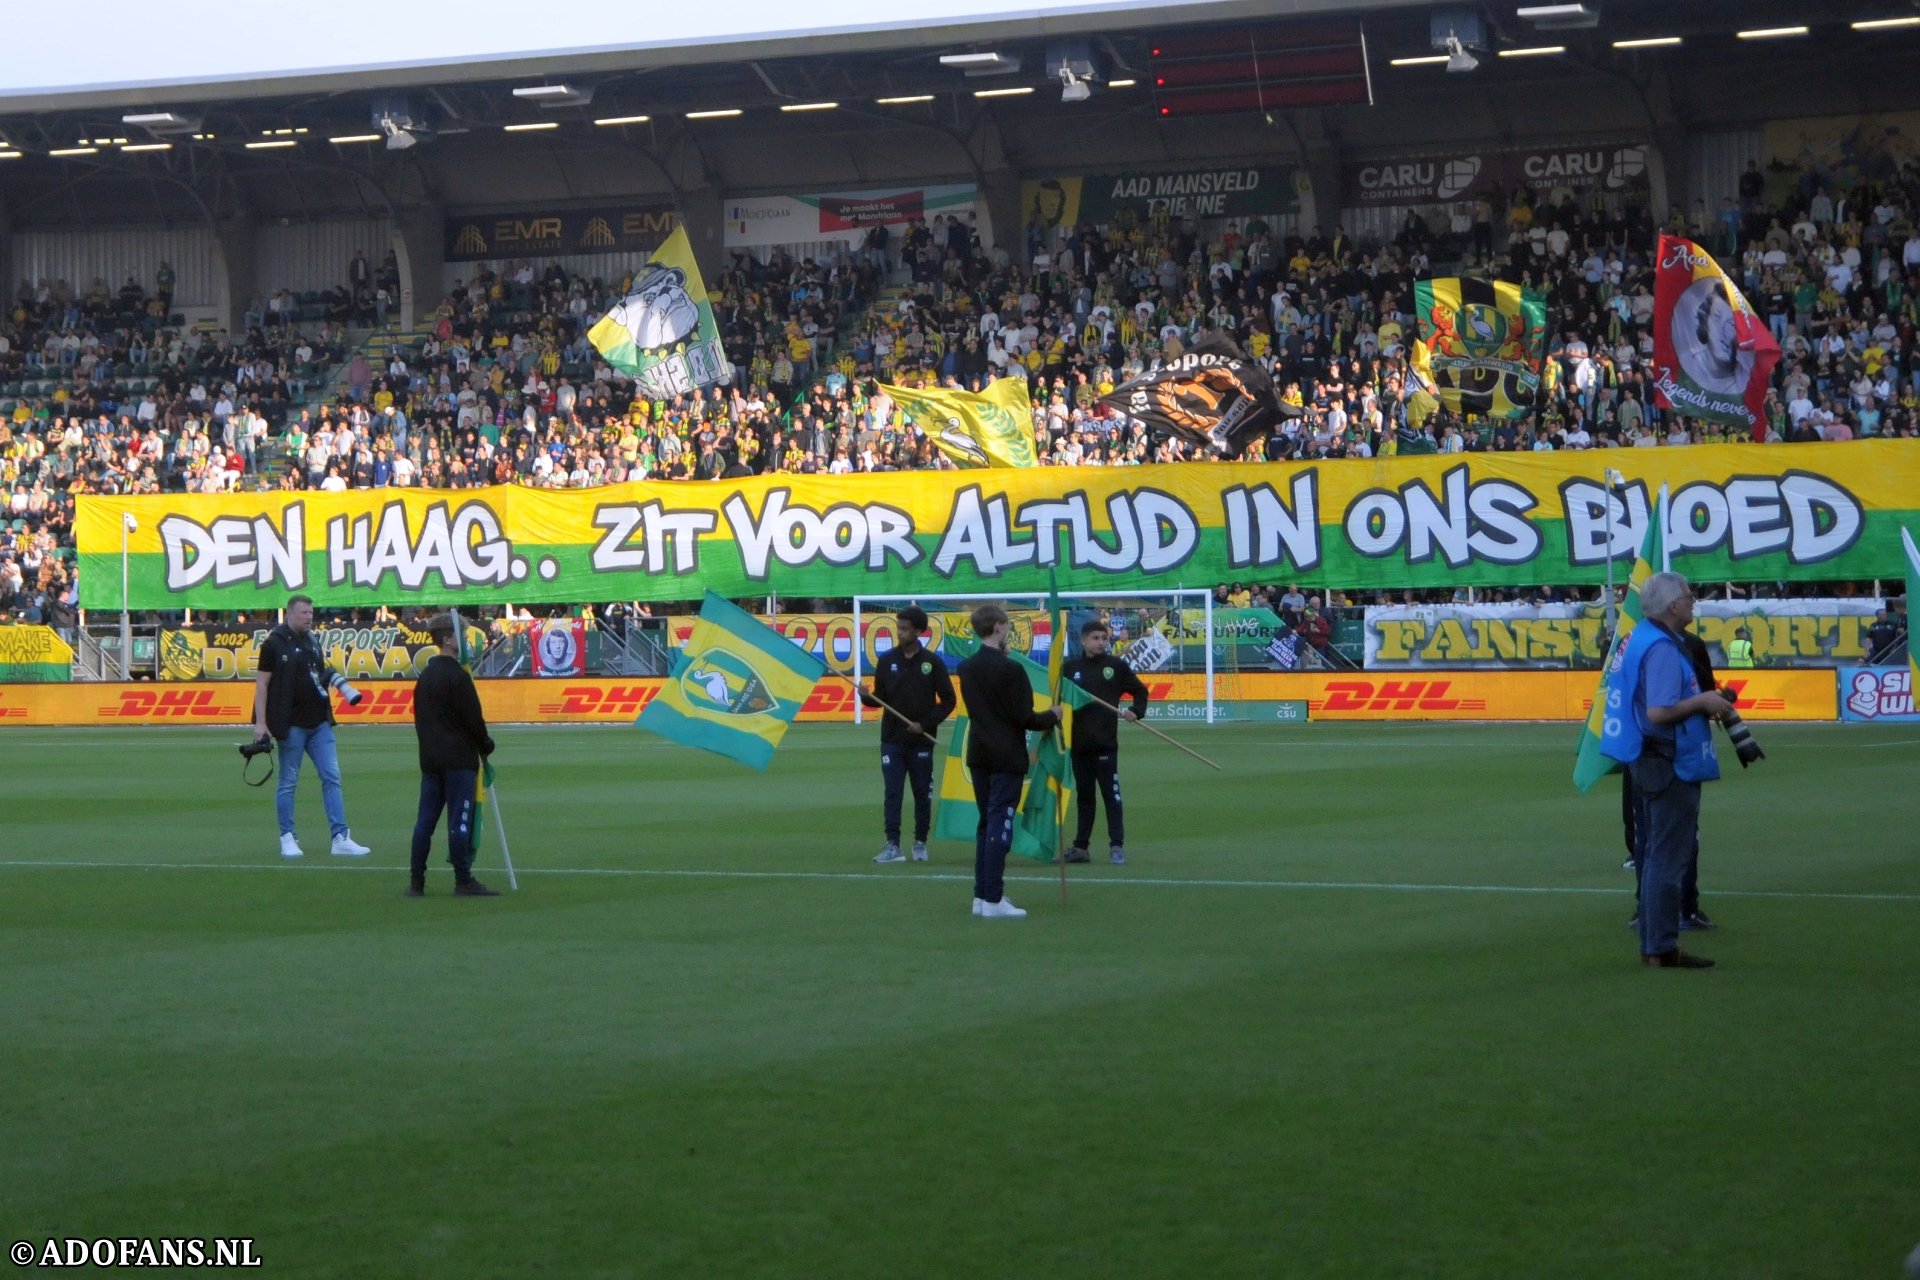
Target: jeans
[897,764]
[452,790]
[1099,773]
[997,795]
[1671,810]
[318,743]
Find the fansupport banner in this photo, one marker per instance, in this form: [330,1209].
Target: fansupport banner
[1712,354]
[839,215]
[1484,340]
[1807,632]
[358,653]
[1740,513]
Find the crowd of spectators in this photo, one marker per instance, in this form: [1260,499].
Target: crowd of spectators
[113,396]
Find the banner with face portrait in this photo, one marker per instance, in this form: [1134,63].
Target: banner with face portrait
[1712,355]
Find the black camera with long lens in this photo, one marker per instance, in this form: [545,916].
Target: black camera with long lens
[259,746]
[1737,733]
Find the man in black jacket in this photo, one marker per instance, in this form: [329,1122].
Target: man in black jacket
[1000,714]
[912,681]
[453,736]
[1096,737]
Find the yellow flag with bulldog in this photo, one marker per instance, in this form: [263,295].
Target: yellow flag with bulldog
[991,428]
[734,688]
[662,333]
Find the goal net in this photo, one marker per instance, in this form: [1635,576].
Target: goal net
[1165,633]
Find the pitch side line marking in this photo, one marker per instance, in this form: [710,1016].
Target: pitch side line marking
[941,877]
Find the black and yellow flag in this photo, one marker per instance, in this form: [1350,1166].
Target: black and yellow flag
[1486,340]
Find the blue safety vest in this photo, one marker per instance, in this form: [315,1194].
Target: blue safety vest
[1620,737]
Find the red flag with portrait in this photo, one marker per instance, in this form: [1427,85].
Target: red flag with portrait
[1712,353]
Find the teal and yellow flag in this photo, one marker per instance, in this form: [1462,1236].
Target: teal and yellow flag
[1486,340]
[991,428]
[1589,766]
[663,333]
[958,817]
[735,687]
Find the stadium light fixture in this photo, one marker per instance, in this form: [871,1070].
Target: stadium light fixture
[1770,33]
[74,151]
[1648,42]
[555,95]
[11,155]
[902,101]
[612,120]
[1884,24]
[531,126]
[1002,93]
[1559,17]
[980,64]
[1432,60]
[356,137]
[720,113]
[146,146]
[808,106]
[1537,51]
[273,144]
[1121,84]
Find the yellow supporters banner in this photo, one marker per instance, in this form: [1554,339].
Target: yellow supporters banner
[991,428]
[1740,513]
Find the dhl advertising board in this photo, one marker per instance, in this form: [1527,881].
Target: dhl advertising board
[1355,695]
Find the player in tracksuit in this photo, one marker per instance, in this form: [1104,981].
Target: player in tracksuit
[912,680]
[1096,737]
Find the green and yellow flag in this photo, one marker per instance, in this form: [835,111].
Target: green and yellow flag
[1589,766]
[1487,339]
[958,817]
[735,687]
[663,333]
[991,428]
[1913,598]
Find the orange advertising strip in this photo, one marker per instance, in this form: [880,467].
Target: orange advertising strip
[1797,694]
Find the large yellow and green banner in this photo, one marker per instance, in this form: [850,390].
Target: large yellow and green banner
[1740,513]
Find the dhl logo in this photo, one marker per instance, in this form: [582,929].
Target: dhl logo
[1392,695]
[1735,689]
[143,704]
[380,703]
[6,711]
[829,698]
[613,700]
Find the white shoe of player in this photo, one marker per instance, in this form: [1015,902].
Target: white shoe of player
[1001,910]
[344,846]
[289,845]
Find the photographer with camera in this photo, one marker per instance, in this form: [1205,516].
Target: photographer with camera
[1658,723]
[290,706]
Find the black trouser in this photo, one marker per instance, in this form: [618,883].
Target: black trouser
[898,763]
[1634,816]
[998,796]
[1102,773]
[452,790]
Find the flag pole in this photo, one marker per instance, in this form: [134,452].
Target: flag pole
[906,719]
[1155,732]
[493,798]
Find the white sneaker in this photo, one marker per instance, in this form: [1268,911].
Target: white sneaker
[1001,910]
[344,847]
[890,854]
[919,850]
[289,845]
[977,904]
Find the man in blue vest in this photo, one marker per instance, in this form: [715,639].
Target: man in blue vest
[1659,724]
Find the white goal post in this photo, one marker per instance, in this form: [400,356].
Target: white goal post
[1176,598]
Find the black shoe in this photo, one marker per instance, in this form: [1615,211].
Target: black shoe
[1077,854]
[416,890]
[1676,959]
[474,889]
[1696,923]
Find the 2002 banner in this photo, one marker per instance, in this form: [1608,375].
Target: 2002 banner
[1740,513]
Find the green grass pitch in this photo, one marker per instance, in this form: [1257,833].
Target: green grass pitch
[1364,1005]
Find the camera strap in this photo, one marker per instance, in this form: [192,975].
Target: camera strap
[247,764]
